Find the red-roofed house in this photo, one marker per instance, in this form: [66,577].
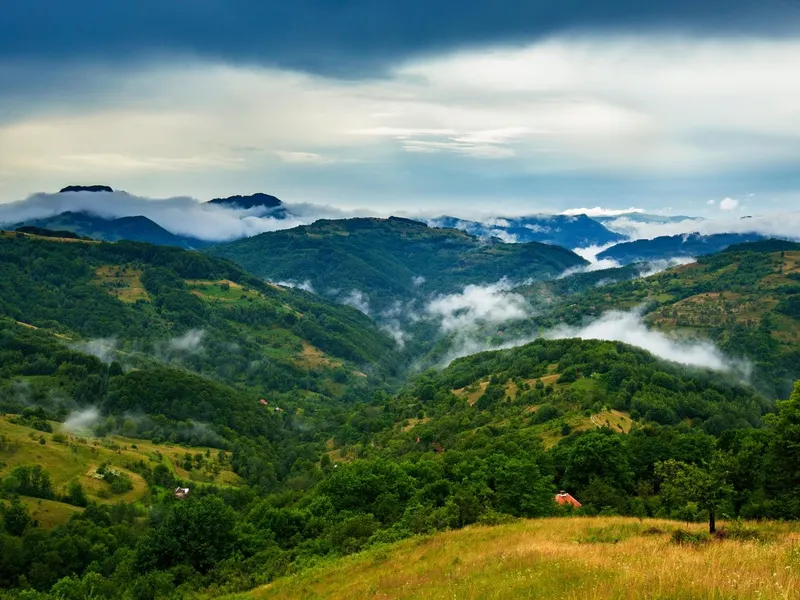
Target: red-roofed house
[564,498]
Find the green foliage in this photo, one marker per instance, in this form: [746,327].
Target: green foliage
[16,518]
[385,259]
[681,537]
[29,481]
[198,533]
[707,486]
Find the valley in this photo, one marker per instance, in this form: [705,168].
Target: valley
[378,385]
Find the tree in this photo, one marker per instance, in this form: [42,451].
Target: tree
[16,518]
[708,485]
[75,494]
[522,490]
[198,532]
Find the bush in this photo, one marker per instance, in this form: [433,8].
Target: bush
[682,537]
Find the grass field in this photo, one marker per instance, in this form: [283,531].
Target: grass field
[224,290]
[565,558]
[76,458]
[122,281]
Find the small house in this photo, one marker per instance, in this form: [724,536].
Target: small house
[181,493]
[264,402]
[563,498]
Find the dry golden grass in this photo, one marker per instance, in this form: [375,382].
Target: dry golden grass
[557,558]
[123,282]
[472,392]
[47,238]
[616,420]
[313,357]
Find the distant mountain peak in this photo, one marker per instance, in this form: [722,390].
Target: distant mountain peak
[247,202]
[86,188]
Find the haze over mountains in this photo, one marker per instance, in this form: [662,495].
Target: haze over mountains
[224,219]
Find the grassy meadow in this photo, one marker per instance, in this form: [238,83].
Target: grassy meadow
[601,558]
[67,457]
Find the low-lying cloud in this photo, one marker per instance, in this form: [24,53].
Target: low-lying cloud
[629,327]
[300,285]
[103,348]
[657,266]
[776,224]
[471,315]
[479,305]
[357,300]
[190,342]
[180,215]
[82,421]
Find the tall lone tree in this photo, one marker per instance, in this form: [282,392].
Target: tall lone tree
[706,485]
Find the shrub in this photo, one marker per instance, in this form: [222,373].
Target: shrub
[688,538]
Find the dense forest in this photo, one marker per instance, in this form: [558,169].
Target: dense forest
[129,372]
[390,260]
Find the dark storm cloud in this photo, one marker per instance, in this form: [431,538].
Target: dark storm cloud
[340,36]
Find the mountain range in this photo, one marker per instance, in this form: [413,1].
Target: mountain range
[383,261]
[577,231]
[675,246]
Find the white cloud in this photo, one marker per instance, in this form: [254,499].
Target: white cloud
[301,285]
[103,348]
[357,300]
[728,204]
[778,224]
[180,215]
[711,202]
[190,342]
[629,327]
[478,305]
[606,104]
[657,266]
[82,421]
[590,253]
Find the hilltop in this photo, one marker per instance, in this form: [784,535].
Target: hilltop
[133,228]
[389,260]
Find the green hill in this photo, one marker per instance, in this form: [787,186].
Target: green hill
[167,302]
[132,228]
[127,369]
[745,299]
[392,259]
[75,457]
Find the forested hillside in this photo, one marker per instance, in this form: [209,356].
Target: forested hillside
[303,434]
[389,260]
[744,299]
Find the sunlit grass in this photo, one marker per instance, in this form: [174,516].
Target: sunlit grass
[572,558]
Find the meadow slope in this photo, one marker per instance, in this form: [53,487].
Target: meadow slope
[567,558]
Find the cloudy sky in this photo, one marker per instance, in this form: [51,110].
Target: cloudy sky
[529,105]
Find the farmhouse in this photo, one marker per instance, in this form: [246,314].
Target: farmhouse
[181,493]
[564,498]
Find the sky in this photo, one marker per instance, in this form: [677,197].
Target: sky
[511,106]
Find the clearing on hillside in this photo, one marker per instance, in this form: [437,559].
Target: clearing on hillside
[123,282]
[67,457]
